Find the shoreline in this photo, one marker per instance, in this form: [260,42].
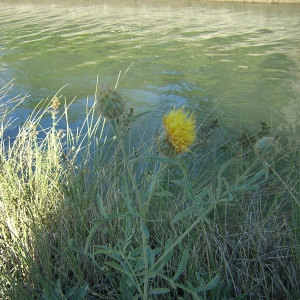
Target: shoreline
[255,1]
[139,2]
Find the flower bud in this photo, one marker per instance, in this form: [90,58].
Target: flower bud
[110,104]
[165,147]
[267,148]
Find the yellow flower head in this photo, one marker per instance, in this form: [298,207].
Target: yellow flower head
[180,131]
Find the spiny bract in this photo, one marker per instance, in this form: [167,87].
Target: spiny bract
[110,104]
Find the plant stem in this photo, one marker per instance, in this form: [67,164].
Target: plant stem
[118,134]
[152,188]
[142,209]
[192,226]
[145,254]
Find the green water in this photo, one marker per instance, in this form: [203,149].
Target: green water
[235,62]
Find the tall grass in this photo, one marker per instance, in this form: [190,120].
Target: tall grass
[52,223]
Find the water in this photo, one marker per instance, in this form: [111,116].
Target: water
[235,62]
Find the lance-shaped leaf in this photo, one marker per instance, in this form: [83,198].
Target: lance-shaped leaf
[208,286]
[89,238]
[144,229]
[111,217]
[151,255]
[181,286]
[167,257]
[186,188]
[127,288]
[163,194]
[182,264]
[100,206]
[116,266]
[135,252]
[158,291]
[189,211]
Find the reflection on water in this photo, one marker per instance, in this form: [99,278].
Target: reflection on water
[237,62]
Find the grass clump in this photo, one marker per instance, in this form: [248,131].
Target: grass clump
[81,218]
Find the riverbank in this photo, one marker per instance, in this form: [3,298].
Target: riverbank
[142,2]
[257,1]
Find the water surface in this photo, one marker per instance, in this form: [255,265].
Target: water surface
[237,62]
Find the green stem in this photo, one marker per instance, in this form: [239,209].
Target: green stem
[153,188]
[145,253]
[142,210]
[143,223]
[118,134]
[134,279]
[192,226]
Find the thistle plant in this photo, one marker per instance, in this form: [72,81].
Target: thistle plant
[134,265]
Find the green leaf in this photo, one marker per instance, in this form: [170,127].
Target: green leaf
[110,217]
[183,287]
[163,194]
[208,286]
[127,288]
[186,188]
[165,260]
[185,213]
[159,291]
[79,294]
[182,264]
[116,266]
[89,238]
[100,206]
[128,228]
[151,256]
[136,252]
[144,229]
[189,290]
[139,265]
[189,211]
[110,253]
[199,197]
